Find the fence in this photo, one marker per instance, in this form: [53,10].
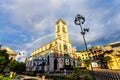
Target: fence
[106,75]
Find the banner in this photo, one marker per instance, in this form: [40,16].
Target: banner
[61,63]
[66,59]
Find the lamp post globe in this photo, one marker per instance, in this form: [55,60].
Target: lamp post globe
[79,19]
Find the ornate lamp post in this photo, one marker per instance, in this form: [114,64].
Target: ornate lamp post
[79,20]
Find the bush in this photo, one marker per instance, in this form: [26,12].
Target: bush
[78,75]
[3,78]
[30,73]
[88,78]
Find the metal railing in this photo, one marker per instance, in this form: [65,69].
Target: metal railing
[106,75]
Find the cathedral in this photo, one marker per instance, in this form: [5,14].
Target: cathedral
[56,55]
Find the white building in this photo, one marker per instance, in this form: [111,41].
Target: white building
[55,55]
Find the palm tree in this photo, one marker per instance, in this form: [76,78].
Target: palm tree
[87,63]
[79,60]
[106,60]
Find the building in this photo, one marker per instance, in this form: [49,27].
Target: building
[97,53]
[81,57]
[12,54]
[92,54]
[113,50]
[55,55]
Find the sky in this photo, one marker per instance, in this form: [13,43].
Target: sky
[28,24]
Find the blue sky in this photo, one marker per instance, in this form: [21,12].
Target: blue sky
[28,24]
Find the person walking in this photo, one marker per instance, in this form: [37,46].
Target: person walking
[65,71]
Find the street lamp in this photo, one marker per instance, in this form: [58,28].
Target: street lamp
[79,20]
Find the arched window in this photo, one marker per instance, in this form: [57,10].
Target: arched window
[50,46]
[65,47]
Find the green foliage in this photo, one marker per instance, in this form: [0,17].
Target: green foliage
[13,65]
[79,59]
[4,60]
[30,73]
[0,46]
[17,66]
[4,78]
[87,78]
[78,75]
[106,59]
[1,77]
[87,63]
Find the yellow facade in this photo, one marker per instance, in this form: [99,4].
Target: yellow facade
[113,50]
[114,63]
[92,54]
[81,56]
[12,54]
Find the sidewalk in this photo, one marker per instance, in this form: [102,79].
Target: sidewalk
[26,77]
[35,77]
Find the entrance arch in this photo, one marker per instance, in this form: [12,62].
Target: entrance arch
[55,64]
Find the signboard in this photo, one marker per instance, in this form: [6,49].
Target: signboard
[71,62]
[66,59]
[61,63]
[94,64]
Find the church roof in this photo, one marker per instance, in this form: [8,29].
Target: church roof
[10,51]
[60,20]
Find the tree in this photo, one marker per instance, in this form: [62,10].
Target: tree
[106,60]
[22,67]
[0,46]
[78,74]
[79,61]
[4,60]
[13,65]
[17,66]
[87,63]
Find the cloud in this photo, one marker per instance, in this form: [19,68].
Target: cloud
[89,46]
[21,56]
[34,21]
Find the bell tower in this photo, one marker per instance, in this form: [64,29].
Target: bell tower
[61,30]
[61,34]
[65,49]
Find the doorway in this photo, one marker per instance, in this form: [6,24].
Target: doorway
[55,64]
